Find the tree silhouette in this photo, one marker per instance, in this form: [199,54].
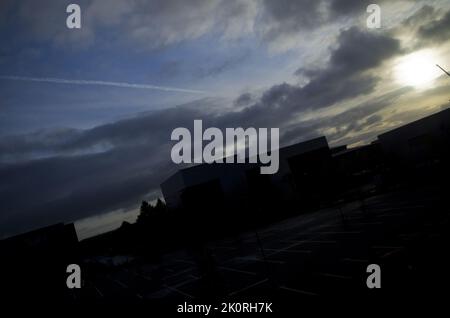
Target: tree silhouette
[146,212]
[160,207]
[150,212]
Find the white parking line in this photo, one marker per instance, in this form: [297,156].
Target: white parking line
[342,232]
[184,261]
[254,259]
[120,283]
[299,291]
[248,287]
[276,251]
[225,247]
[334,275]
[179,273]
[355,260]
[187,281]
[391,252]
[310,241]
[236,270]
[368,223]
[287,251]
[177,291]
[98,291]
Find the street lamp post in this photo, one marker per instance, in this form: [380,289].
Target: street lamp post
[443,70]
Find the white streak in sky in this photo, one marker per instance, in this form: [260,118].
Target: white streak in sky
[102,83]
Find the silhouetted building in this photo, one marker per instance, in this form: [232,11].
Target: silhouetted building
[421,142]
[47,238]
[33,264]
[338,149]
[358,168]
[303,168]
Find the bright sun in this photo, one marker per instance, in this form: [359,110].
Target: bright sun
[417,69]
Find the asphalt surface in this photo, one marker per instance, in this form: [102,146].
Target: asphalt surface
[324,253]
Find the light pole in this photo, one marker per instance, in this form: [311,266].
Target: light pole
[443,70]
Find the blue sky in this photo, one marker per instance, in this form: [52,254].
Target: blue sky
[307,67]
[219,68]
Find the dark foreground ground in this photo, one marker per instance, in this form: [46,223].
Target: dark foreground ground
[325,253]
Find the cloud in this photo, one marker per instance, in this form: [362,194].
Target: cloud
[64,187]
[222,66]
[346,127]
[339,8]
[287,17]
[425,14]
[243,100]
[75,180]
[40,144]
[361,50]
[281,18]
[437,31]
[155,24]
[75,183]
[427,26]
[71,174]
[162,24]
[345,76]
[151,24]
[67,174]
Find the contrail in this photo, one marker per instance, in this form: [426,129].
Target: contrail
[102,83]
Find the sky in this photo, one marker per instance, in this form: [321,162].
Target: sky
[86,114]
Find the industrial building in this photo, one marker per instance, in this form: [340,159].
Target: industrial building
[34,264]
[303,167]
[418,143]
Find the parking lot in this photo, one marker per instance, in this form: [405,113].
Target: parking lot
[325,253]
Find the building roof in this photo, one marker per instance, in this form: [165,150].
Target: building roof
[418,125]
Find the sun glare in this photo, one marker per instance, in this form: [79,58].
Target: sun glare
[417,69]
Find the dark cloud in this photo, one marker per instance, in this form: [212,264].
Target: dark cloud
[156,24]
[47,191]
[350,7]
[292,17]
[38,144]
[421,16]
[151,24]
[345,76]
[244,100]
[65,188]
[359,50]
[437,31]
[373,119]
[222,66]
[287,16]
[67,174]
[426,26]
[345,7]
[347,126]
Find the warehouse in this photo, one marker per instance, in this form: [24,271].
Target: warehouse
[302,168]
